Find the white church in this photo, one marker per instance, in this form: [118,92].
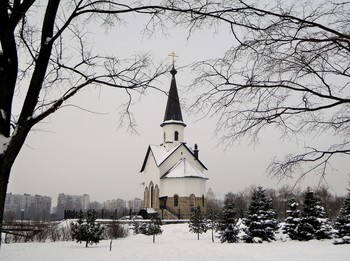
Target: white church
[174,176]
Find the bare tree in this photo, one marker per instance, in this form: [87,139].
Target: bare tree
[287,69]
[46,58]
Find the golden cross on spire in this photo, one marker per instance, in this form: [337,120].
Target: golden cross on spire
[173,55]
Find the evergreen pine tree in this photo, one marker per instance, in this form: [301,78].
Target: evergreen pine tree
[313,224]
[212,223]
[342,223]
[88,230]
[293,219]
[197,222]
[228,222]
[261,218]
[140,227]
[153,228]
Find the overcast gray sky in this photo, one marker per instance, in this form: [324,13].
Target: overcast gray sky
[77,152]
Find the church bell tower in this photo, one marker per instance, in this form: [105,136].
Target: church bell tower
[174,176]
[173,125]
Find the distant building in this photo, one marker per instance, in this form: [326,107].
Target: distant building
[95,205]
[27,207]
[210,194]
[119,204]
[135,205]
[71,202]
[115,208]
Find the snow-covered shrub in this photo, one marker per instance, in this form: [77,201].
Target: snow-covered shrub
[60,232]
[140,227]
[153,228]
[150,228]
[343,240]
[88,230]
[116,230]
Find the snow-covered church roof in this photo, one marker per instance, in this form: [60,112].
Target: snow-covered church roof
[160,154]
[183,169]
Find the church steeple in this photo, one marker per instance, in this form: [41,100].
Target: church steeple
[173,109]
[173,125]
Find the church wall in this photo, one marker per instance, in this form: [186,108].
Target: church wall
[169,134]
[151,176]
[171,161]
[183,187]
[185,206]
[180,153]
[151,172]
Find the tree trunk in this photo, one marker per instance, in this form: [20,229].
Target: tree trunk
[4,178]
[154,238]
[8,76]
[7,160]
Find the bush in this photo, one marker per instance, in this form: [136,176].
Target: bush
[116,230]
[151,228]
[87,230]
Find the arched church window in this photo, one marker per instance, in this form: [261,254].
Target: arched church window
[176,136]
[203,202]
[146,198]
[151,191]
[156,197]
[192,200]
[176,200]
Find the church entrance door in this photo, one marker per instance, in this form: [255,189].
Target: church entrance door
[163,202]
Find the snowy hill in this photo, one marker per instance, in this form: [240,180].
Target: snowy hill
[175,244]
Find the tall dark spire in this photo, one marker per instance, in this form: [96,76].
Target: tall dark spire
[173,109]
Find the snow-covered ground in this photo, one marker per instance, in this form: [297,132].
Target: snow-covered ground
[176,243]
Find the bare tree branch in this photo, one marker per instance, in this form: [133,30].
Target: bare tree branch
[58,61]
[289,69]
